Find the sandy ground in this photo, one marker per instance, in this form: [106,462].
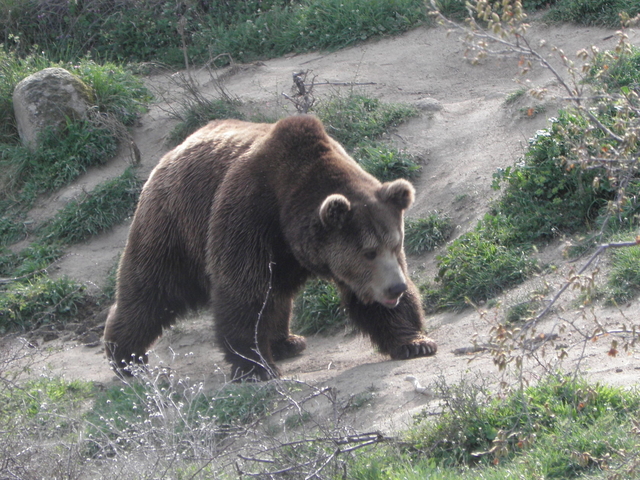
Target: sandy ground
[463,135]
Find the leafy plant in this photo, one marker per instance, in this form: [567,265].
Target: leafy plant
[425,234]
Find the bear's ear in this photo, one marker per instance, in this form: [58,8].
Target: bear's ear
[334,210]
[399,193]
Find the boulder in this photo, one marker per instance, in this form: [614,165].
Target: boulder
[46,99]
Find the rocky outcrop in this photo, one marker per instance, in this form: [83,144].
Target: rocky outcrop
[46,99]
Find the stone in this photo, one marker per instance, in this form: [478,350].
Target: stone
[47,99]
[428,104]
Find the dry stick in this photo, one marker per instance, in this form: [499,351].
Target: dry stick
[599,250]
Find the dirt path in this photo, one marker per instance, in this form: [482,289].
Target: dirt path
[464,133]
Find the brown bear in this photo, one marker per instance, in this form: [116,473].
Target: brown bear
[239,217]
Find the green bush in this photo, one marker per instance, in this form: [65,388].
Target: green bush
[613,71]
[548,193]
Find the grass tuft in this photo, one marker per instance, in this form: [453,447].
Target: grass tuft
[318,309]
[425,234]
[475,268]
[355,119]
[107,205]
[29,304]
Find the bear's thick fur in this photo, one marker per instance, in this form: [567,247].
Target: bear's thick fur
[239,216]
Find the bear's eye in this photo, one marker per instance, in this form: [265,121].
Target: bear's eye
[370,254]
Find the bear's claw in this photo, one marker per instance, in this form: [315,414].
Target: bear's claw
[420,347]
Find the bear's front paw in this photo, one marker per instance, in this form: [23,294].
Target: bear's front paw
[419,347]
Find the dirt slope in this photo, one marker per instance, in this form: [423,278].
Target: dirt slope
[464,133]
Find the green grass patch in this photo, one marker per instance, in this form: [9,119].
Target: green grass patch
[522,311]
[561,428]
[386,163]
[358,121]
[549,193]
[97,211]
[153,412]
[475,268]
[11,230]
[42,396]
[318,309]
[64,155]
[514,96]
[117,91]
[30,260]
[146,30]
[623,279]
[38,301]
[355,118]
[602,13]
[425,234]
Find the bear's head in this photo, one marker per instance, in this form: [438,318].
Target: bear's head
[364,248]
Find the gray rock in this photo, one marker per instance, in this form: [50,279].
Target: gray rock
[428,104]
[46,99]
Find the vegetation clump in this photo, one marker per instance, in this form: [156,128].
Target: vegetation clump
[425,234]
[556,429]
[146,30]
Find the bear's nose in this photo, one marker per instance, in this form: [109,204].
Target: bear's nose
[396,290]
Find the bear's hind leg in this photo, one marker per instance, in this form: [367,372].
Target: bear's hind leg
[133,324]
